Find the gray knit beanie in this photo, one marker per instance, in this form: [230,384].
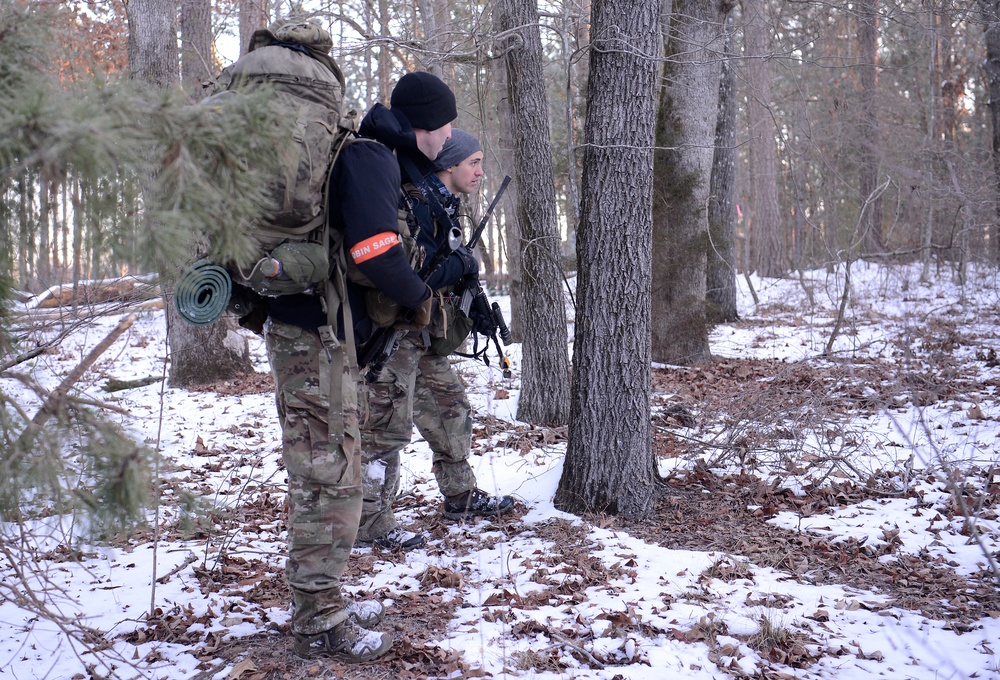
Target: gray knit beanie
[457,149]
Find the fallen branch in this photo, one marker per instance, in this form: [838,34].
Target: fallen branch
[56,398]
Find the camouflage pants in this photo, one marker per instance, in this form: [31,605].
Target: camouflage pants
[418,388]
[324,472]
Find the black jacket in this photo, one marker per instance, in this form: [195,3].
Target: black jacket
[433,234]
[364,197]
[396,133]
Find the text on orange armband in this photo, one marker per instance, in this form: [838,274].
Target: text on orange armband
[374,246]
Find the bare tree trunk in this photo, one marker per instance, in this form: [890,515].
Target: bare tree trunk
[385,75]
[720,281]
[610,466]
[545,375]
[508,232]
[575,72]
[197,59]
[152,41]
[78,219]
[198,354]
[685,136]
[869,136]
[43,270]
[933,77]
[253,17]
[579,76]
[26,249]
[432,37]
[990,12]
[64,228]
[764,213]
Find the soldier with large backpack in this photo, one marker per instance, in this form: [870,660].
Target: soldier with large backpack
[310,315]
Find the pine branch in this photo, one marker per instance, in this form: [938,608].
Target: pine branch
[58,396]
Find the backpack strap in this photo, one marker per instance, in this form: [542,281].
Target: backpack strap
[428,194]
[336,304]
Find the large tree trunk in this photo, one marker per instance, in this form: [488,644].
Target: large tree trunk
[385,74]
[197,57]
[253,16]
[545,375]
[198,354]
[764,213]
[610,466]
[685,135]
[870,200]
[990,10]
[152,41]
[720,279]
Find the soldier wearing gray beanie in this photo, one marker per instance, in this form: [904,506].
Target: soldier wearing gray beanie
[457,149]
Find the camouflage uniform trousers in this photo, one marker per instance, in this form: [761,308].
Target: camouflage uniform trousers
[324,472]
[422,388]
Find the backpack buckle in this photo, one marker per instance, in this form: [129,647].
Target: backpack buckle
[328,337]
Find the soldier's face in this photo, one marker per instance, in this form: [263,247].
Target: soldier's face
[466,175]
[430,142]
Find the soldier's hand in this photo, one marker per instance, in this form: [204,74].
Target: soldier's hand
[421,315]
[470,265]
[482,316]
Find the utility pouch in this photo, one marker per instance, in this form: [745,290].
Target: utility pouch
[449,326]
[382,310]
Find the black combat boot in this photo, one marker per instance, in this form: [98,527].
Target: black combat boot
[476,503]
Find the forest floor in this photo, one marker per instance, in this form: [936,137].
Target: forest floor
[736,522]
[820,515]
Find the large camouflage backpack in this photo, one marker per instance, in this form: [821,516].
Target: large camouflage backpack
[293,60]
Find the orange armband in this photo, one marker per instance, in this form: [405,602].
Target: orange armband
[372,247]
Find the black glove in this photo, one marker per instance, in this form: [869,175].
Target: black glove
[250,307]
[482,316]
[470,265]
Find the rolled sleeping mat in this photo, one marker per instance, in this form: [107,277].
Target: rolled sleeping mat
[202,293]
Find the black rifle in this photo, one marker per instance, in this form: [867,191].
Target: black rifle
[474,298]
[385,341]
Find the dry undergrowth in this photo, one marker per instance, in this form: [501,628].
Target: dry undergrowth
[760,409]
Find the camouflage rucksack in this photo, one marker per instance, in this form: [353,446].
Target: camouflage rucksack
[292,58]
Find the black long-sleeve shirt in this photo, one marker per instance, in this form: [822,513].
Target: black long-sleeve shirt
[364,199]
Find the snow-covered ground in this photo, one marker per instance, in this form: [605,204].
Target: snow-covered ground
[648,611]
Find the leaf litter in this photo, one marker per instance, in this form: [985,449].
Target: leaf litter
[818,518]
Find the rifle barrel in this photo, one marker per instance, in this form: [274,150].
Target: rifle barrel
[474,239]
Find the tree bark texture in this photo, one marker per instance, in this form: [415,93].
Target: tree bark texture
[685,136]
[870,202]
[198,354]
[385,76]
[990,12]
[764,220]
[720,279]
[433,38]
[545,353]
[610,466]
[253,17]
[152,41]
[197,54]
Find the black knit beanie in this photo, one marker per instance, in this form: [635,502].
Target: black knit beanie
[425,100]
